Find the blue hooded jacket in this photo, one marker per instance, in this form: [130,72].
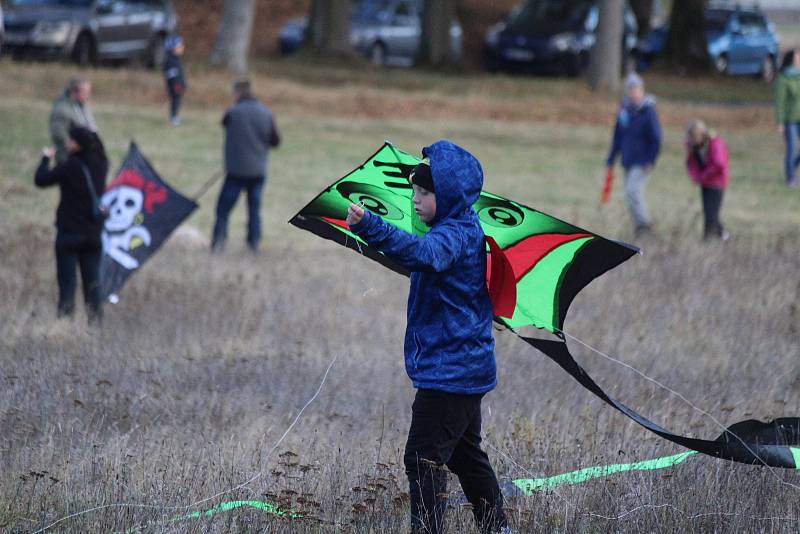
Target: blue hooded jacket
[448,344]
[637,135]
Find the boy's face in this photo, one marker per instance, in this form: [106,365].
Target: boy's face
[424,203]
[636,94]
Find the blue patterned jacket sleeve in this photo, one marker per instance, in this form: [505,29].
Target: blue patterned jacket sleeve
[436,251]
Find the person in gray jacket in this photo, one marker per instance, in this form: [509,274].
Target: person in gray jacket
[250,131]
[71,109]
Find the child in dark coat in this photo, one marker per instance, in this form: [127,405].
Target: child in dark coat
[449,348]
[173,75]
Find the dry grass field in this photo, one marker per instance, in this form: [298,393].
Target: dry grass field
[177,404]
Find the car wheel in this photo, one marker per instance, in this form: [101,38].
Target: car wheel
[156,53]
[377,54]
[721,64]
[768,69]
[83,53]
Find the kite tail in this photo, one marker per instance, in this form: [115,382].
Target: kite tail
[774,444]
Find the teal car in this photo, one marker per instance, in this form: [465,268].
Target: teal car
[741,41]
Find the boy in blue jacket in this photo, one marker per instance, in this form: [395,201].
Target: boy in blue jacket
[174,77]
[637,138]
[449,348]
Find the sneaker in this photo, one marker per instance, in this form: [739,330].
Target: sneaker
[793,183]
[724,236]
[175,121]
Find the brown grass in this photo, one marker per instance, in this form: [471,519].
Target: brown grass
[204,364]
[308,87]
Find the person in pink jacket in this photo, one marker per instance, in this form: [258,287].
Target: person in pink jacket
[707,165]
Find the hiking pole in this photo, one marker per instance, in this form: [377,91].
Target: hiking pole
[207,185]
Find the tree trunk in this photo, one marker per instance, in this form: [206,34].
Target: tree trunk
[329,27]
[233,38]
[605,66]
[686,43]
[643,11]
[435,49]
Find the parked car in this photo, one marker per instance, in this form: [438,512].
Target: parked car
[549,36]
[740,41]
[89,30]
[386,31]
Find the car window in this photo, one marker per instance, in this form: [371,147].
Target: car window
[549,16]
[717,21]
[368,12]
[752,23]
[592,19]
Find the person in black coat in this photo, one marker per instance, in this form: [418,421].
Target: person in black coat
[81,180]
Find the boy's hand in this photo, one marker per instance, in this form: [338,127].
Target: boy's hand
[354,214]
[49,152]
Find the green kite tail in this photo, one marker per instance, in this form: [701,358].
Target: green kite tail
[528,486]
[232,505]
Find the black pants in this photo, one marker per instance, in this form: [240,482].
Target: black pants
[175,96]
[712,203]
[84,251]
[174,105]
[446,431]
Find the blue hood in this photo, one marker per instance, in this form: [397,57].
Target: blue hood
[457,177]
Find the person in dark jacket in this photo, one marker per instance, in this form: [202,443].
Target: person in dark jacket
[250,131]
[174,77]
[81,179]
[449,348]
[637,138]
[707,165]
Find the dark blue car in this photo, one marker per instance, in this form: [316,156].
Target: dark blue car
[740,41]
[549,36]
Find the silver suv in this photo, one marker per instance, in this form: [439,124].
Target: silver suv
[89,30]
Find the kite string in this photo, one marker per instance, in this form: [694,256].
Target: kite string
[680,396]
[277,443]
[252,479]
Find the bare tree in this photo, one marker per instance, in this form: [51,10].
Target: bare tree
[643,11]
[435,48]
[329,27]
[605,64]
[686,42]
[233,38]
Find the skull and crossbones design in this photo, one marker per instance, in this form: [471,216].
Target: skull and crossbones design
[128,198]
